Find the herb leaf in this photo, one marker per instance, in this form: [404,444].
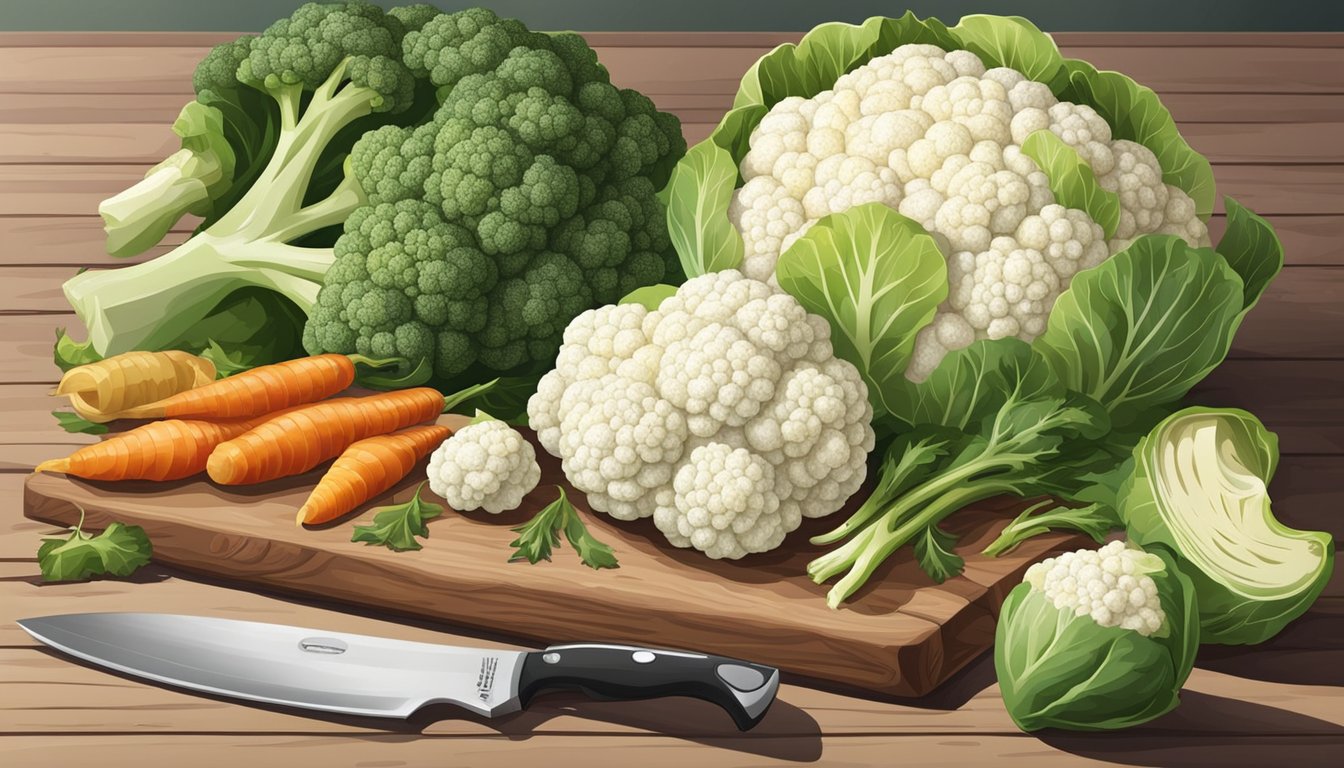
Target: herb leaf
[76,424]
[225,364]
[118,551]
[538,537]
[933,550]
[397,526]
[1095,520]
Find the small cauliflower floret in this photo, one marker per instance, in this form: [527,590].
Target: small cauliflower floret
[487,465]
[1079,126]
[723,413]
[765,214]
[724,504]
[1180,219]
[1111,584]
[1137,179]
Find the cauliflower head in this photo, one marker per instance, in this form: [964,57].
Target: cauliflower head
[723,414]
[936,136]
[487,465]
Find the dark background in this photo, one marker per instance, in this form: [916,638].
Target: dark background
[700,15]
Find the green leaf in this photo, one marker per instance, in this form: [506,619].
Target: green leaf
[76,424]
[933,551]
[699,192]
[118,551]
[68,353]
[538,537]
[1072,180]
[1135,113]
[973,383]
[1141,329]
[225,364]
[592,552]
[1252,249]
[403,376]
[1095,520]
[650,295]
[1012,41]
[397,526]
[877,277]
[806,69]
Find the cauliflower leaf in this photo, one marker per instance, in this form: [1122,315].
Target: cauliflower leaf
[1072,181]
[877,277]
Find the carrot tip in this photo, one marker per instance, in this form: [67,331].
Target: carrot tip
[302,516]
[53,465]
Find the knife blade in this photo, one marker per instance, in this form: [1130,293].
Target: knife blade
[382,677]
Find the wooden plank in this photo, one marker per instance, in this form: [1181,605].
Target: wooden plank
[903,637]
[516,746]
[1300,400]
[77,241]
[679,68]
[150,142]
[642,39]
[73,190]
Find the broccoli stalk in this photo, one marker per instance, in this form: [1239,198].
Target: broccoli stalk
[187,181]
[147,306]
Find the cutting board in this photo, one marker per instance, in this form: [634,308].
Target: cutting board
[901,636]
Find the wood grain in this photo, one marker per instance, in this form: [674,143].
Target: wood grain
[903,636]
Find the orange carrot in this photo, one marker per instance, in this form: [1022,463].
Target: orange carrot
[300,439]
[366,469]
[259,391]
[162,450]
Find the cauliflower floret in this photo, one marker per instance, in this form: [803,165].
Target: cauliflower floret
[1180,219]
[1110,584]
[1079,126]
[1137,179]
[728,377]
[765,213]
[487,465]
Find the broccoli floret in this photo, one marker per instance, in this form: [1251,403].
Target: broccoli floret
[550,171]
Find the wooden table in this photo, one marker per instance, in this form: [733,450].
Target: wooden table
[83,115]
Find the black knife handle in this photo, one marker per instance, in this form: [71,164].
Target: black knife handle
[627,672]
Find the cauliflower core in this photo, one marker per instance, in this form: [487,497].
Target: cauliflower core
[487,465]
[723,414]
[1110,584]
[936,136]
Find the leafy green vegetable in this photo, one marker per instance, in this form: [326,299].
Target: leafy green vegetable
[76,424]
[650,295]
[1252,249]
[933,550]
[1145,326]
[878,278]
[1072,181]
[1032,439]
[68,353]
[1095,520]
[226,364]
[397,526]
[1058,669]
[118,551]
[699,191]
[540,535]
[1200,487]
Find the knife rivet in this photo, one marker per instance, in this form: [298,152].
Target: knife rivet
[551,658]
[643,657]
[323,645]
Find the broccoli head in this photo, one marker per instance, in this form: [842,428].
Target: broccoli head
[528,198]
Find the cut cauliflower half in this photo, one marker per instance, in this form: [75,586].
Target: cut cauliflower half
[487,465]
[1111,584]
[934,135]
[723,414]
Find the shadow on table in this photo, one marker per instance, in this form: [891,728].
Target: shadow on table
[1209,731]
[1306,652]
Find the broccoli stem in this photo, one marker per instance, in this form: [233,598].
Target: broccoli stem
[138,217]
[148,305]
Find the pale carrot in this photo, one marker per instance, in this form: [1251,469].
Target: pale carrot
[162,450]
[300,439]
[255,392]
[366,469]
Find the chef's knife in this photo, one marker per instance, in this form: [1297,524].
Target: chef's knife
[362,675]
